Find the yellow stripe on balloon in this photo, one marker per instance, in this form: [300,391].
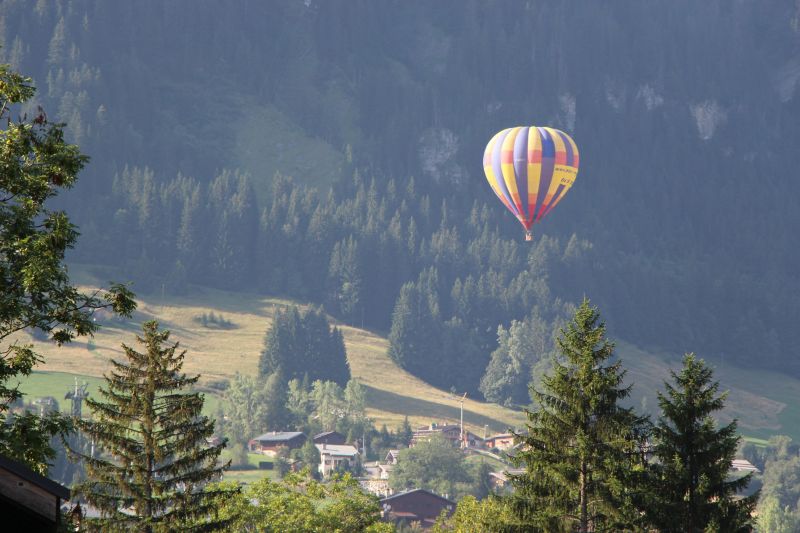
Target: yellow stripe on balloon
[507,166]
[490,177]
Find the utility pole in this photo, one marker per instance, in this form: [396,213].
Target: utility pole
[463,444]
[77,395]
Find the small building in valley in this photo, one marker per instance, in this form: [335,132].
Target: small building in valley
[268,443]
[451,432]
[503,441]
[743,465]
[417,505]
[392,457]
[501,481]
[335,456]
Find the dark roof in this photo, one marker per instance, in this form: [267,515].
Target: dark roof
[408,492]
[30,476]
[278,436]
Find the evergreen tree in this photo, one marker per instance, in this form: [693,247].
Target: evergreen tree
[337,367]
[405,433]
[692,491]
[275,397]
[578,452]
[299,345]
[282,344]
[157,465]
[414,334]
[345,283]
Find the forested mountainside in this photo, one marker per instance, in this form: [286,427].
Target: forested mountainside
[681,225]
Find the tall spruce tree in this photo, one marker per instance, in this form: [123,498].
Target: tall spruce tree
[154,461]
[304,344]
[579,451]
[692,490]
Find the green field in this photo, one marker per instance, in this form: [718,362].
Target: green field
[249,475]
[765,403]
[56,384]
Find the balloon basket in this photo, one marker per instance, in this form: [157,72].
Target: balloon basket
[528,236]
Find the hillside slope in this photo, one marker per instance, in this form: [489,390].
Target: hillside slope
[218,354]
[764,402]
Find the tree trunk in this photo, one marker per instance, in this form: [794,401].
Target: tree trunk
[584,520]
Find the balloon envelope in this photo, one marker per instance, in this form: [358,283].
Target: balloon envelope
[530,169]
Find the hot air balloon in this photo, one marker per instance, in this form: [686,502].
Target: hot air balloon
[530,169]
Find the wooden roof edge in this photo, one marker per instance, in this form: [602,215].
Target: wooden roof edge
[25,472]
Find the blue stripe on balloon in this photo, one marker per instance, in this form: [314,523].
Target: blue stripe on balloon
[568,146]
[521,166]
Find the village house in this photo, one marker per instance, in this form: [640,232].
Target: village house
[743,465]
[270,442]
[329,437]
[29,501]
[392,457]
[451,432]
[335,456]
[417,505]
[503,441]
[500,481]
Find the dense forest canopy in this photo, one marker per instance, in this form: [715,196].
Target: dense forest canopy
[681,224]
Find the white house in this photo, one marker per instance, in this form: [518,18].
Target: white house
[743,465]
[333,456]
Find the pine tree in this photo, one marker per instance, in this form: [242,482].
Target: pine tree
[282,344]
[405,433]
[297,345]
[275,396]
[155,462]
[578,453]
[415,334]
[345,281]
[692,492]
[338,367]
